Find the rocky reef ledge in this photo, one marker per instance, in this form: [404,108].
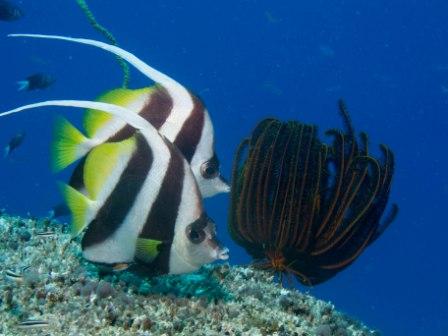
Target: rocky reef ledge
[47,289]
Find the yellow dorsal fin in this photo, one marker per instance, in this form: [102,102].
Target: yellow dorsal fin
[80,207]
[147,249]
[102,160]
[67,146]
[95,119]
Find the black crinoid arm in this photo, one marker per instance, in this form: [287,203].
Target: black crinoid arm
[305,208]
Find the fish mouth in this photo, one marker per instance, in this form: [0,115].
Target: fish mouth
[222,254]
[217,251]
[225,187]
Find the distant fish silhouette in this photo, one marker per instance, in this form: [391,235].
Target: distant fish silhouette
[59,210]
[37,81]
[15,142]
[9,11]
[271,18]
[326,50]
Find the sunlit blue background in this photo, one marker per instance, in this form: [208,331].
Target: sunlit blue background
[252,59]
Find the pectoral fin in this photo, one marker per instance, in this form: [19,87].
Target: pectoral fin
[147,250]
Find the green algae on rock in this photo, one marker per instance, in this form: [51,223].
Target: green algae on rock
[75,299]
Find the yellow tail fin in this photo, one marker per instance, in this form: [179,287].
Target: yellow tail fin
[80,206]
[67,144]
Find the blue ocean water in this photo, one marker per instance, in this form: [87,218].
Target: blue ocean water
[253,59]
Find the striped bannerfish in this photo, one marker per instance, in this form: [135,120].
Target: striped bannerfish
[174,111]
[142,202]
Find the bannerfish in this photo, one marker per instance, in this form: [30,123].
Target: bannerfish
[174,111]
[142,204]
[9,11]
[38,81]
[13,143]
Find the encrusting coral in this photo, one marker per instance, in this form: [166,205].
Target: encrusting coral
[45,281]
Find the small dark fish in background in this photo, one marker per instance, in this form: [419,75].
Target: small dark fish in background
[33,324]
[45,234]
[13,276]
[59,210]
[15,142]
[10,11]
[37,81]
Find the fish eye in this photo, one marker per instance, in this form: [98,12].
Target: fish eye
[209,169]
[194,235]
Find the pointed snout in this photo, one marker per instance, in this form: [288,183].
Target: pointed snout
[219,252]
[223,254]
[214,186]
[223,185]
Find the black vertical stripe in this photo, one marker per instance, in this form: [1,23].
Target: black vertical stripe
[77,180]
[156,110]
[120,201]
[164,212]
[159,107]
[162,217]
[190,134]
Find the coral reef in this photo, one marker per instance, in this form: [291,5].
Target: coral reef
[47,289]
